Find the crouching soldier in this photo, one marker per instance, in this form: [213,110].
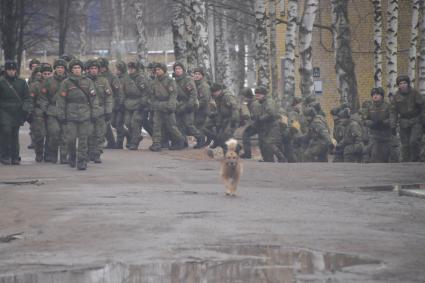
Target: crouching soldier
[351,144]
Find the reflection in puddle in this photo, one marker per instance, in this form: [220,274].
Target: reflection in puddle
[245,264]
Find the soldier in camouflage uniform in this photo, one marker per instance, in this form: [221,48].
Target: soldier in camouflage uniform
[338,133]
[15,106]
[407,111]
[136,73]
[102,110]
[352,140]
[47,101]
[227,118]
[164,103]
[133,99]
[266,121]
[38,118]
[376,117]
[367,143]
[316,139]
[187,104]
[75,104]
[117,119]
[204,98]
[247,101]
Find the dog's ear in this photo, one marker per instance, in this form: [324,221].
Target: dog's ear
[238,148]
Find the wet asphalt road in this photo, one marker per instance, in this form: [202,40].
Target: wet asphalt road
[163,217]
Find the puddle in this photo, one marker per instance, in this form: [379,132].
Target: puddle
[382,188]
[233,264]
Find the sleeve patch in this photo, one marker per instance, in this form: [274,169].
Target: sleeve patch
[44,90]
[64,94]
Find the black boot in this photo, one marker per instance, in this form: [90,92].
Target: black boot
[200,142]
[38,157]
[178,145]
[246,155]
[72,161]
[155,147]
[82,165]
[97,159]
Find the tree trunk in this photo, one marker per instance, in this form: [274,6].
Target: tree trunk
[305,38]
[179,33]
[344,65]
[63,24]
[289,62]
[262,45]
[222,55]
[8,28]
[116,36]
[82,26]
[231,42]
[142,50]
[21,26]
[392,30]
[421,84]
[414,41]
[377,53]
[241,60]
[191,50]
[201,35]
[273,51]
[250,64]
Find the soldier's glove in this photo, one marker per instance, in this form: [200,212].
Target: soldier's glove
[108,117]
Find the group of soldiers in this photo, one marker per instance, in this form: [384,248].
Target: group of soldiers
[75,108]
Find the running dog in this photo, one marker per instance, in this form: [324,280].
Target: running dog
[231,167]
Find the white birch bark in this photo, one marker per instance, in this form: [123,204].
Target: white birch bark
[262,45]
[282,7]
[414,41]
[392,31]
[221,50]
[189,23]
[289,62]
[273,51]
[142,49]
[421,83]
[377,39]
[179,33]
[116,38]
[82,24]
[231,39]
[305,38]
[201,35]
[344,64]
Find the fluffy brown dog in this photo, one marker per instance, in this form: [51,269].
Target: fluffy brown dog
[231,167]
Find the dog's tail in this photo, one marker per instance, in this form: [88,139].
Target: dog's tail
[232,144]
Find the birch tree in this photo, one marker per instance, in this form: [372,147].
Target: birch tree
[116,34]
[305,38]
[179,32]
[221,50]
[344,64]
[63,24]
[377,39]
[262,44]
[421,84]
[189,25]
[273,51]
[392,30]
[142,49]
[201,35]
[82,25]
[289,62]
[414,40]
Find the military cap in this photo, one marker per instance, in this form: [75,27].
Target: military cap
[33,61]
[92,63]
[36,70]
[132,65]
[67,57]
[246,92]
[261,89]
[199,70]
[74,62]
[216,87]
[104,63]
[377,90]
[151,65]
[160,66]
[46,67]
[10,65]
[59,62]
[121,66]
[403,78]
[180,64]
[309,111]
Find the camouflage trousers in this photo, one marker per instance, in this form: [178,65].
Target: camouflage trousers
[39,131]
[56,139]
[186,124]
[163,121]
[133,120]
[380,151]
[410,138]
[97,138]
[78,131]
[248,132]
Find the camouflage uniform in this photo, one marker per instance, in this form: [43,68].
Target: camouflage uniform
[376,117]
[338,134]
[316,138]
[187,104]
[227,119]
[407,110]
[102,112]
[15,106]
[246,115]
[204,98]
[352,140]
[164,102]
[266,121]
[75,104]
[117,119]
